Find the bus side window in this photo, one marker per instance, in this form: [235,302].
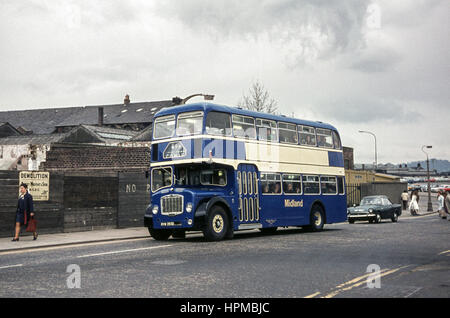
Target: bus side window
[218,123]
[336,140]
[341,188]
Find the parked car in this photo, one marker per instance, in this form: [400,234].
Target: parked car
[374,209]
[436,188]
[414,187]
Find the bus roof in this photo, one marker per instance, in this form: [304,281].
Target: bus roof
[207,107]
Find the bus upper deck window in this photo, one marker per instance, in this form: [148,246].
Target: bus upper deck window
[267,130]
[164,127]
[324,138]
[307,135]
[218,123]
[288,133]
[244,126]
[336,140]
[189,123]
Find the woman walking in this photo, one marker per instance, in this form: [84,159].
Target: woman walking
[414,204]
[25,211]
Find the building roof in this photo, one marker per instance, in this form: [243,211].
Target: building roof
[45,121]
[144,135]
[43,139]
[111,135]
[82,134]
[6,130]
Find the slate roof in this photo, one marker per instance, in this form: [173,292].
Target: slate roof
[44,139]
[80,134]
[45,121]
[110,135]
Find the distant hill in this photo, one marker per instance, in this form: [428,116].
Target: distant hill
[435,164]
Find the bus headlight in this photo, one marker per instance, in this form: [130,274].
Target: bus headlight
[189,207]
[155,209]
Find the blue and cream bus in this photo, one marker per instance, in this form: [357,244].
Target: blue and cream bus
[220,169]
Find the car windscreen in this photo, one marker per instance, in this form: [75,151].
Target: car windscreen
[371,201]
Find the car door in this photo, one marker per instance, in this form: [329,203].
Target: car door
[388,209]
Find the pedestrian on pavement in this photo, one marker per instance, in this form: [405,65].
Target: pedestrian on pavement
[405,199]
[414,204]
[24,212]
[447,203]
[441,209]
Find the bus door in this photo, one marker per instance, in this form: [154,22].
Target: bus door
[248,190]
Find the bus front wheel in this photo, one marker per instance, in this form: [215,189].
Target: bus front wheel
[216,224]
[160,235]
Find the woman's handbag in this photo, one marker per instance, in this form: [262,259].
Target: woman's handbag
[32,224]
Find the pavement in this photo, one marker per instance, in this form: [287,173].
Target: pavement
[98,236]
[74,238]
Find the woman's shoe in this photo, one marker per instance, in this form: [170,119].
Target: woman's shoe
[15,239]
[35,237]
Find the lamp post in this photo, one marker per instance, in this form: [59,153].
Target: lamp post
[375,137]
[178,101]
[430,205]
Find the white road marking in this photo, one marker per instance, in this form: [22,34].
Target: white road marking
[413,292]
[123,251]
[10,266]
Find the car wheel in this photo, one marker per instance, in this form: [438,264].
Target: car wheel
[377,218]
[351,221]
[216,224]
[394,217]
[160,235]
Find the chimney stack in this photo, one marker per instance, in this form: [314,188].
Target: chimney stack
[126,100]
[100,116]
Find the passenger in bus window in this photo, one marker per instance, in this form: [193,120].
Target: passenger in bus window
[290,188]
[321,141]
[277,188]
[265,188]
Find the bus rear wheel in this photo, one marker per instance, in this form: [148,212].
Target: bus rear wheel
[160,235]
[316,219]
[216,224]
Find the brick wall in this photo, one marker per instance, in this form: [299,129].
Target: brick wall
[348,158]
[63,157]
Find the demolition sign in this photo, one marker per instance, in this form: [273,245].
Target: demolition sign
[38,184]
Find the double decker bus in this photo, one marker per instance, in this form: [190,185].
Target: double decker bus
[220,169]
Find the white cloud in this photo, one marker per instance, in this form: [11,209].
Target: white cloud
[322,60]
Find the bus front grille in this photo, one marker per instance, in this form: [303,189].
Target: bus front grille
[172,204]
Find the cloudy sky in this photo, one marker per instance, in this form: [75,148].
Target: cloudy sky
[379,65]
